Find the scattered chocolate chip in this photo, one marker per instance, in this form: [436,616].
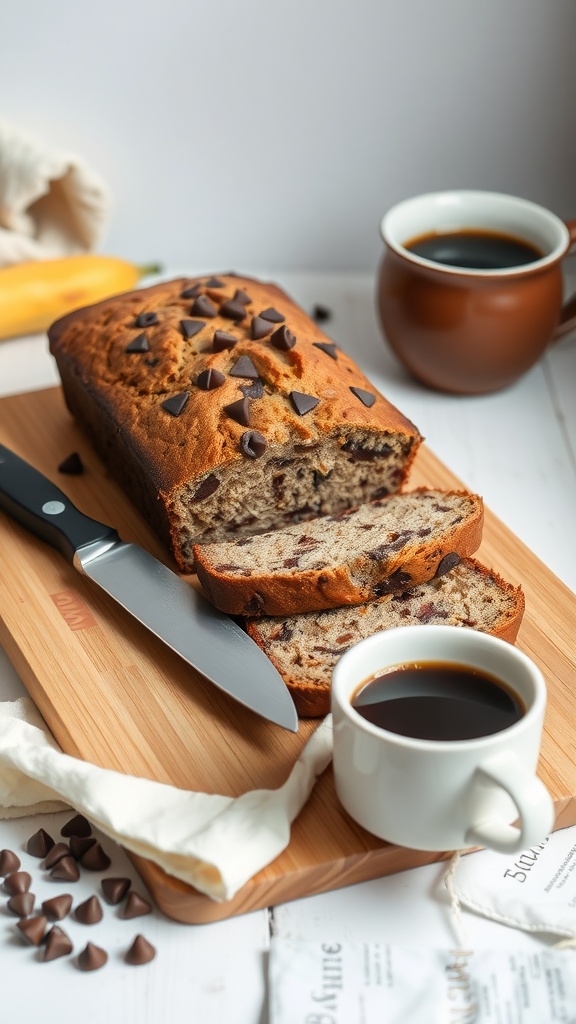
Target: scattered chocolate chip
[39,844]
[22,904]
[96,859]
[115,889]
[283,339]
[233,310]
[66,870]
[139,344]
[79,845]
[208,380]
[57,943]
[206,488]
[203,306]
[140,952]
[176,403]
[303,403]
[89,912]
[239,411]
[146,320]
[450,561]
[191,327]
[77,826]
[366,397]
[273,315]
[214,282]
[321,313]
[252,444]
[244,367]
[58,907]
[242,297]
[72,465]
[92,957]
[253,390]
[222,341]
[9,862]
[56,853]
[32,929]
[135,906]
[259,328]
[191,292]
[328,347]
[18,881]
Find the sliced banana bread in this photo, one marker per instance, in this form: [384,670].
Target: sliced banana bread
[305,648]
[382,547]
[223,410]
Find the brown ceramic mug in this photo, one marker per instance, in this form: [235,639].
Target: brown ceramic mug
[470,287]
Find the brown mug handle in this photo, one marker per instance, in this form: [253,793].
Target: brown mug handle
[567,321]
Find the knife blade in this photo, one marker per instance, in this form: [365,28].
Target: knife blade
[170,608]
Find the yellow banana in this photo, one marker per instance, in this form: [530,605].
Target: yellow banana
[35,293]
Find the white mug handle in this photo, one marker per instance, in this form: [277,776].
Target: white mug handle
[532,799]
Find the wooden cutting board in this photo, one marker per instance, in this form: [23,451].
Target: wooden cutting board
[114,695]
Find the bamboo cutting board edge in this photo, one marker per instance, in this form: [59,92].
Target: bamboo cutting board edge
[38,426]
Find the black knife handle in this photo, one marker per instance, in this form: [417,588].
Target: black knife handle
[35,502]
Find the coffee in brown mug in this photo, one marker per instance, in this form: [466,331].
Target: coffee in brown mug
[437,700]
[470,287]
[475,249]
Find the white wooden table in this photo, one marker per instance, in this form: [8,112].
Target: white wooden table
[517,449]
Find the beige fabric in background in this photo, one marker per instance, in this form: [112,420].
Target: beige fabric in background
[52,204]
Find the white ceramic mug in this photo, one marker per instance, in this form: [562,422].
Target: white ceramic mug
[449,794]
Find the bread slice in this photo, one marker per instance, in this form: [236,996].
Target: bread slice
[382,547]
[305,648]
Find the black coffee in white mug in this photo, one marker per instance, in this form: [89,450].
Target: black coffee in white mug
[438,700]
[449,778]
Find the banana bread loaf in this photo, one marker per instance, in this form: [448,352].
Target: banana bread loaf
[382,547]
[305,648]
[224,411]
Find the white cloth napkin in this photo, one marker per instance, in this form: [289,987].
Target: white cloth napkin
[214,843]
[52,204]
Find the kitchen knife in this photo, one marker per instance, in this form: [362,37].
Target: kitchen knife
[173,610]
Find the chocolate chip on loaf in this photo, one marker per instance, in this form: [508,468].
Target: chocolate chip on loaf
[239,411]
[303,403]
[283,339]
[190,328]
[253,444]
[328,347]
[146,319]
[138,344]
[176,403]
[260,328]
[244,367]
[204,307]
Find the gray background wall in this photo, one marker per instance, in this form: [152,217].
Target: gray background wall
[259,134]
